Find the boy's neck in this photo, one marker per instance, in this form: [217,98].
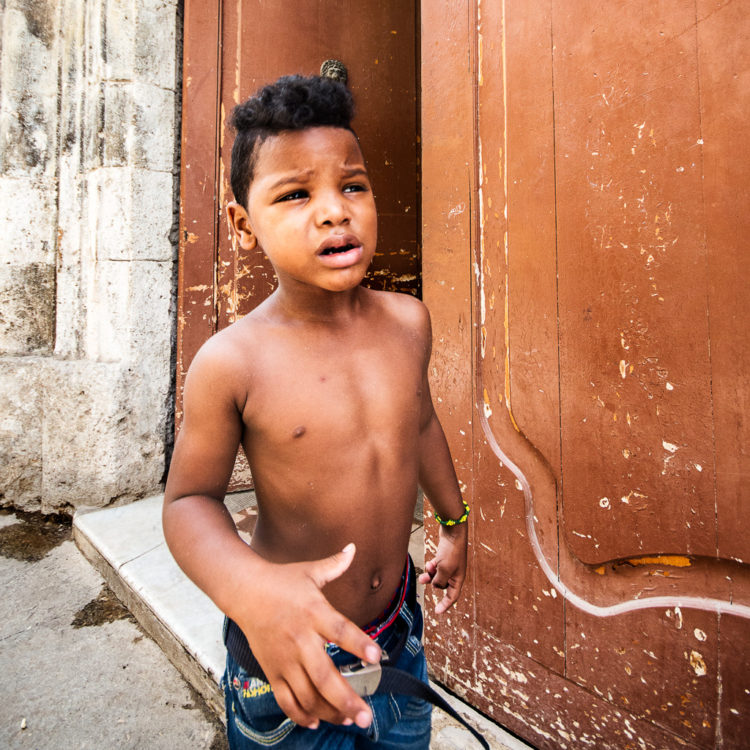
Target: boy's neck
[317,305]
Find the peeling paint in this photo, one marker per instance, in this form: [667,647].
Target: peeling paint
[697,663]
[675,561]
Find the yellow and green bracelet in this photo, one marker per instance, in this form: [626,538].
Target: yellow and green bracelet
[454,521]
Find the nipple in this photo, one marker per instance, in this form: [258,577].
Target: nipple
[299,431]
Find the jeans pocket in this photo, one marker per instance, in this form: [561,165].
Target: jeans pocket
[413,645]
[252,710]
[267,738]
[416,709]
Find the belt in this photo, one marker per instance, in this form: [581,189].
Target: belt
[365,679]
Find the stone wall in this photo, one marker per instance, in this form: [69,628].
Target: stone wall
[89,116]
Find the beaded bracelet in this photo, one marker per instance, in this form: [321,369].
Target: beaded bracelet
[454,521]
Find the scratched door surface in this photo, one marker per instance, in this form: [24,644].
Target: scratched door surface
[586,191]
[232,47]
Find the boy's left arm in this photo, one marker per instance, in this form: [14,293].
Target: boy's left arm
[437,478]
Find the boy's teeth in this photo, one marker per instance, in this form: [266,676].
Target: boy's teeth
[341,249]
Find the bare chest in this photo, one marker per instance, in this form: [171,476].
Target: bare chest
[334,398]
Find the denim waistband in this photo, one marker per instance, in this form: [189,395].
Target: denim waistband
[390,612]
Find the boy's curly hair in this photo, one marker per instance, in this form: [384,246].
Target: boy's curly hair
[291,103]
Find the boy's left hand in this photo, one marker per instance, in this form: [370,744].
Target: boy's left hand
[447,569]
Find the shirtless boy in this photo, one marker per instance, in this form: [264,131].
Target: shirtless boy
[325,386]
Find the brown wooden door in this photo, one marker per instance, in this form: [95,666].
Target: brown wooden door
[585,207]
[233,48]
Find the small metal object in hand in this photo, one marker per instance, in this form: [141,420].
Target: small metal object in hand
[363,677]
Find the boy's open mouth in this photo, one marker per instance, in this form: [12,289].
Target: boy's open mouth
[339,249]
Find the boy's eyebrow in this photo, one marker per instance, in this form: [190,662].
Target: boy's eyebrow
[302,176]
[353,171]
[305,174]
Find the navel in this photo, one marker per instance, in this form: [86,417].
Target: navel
[376,582]
[299,431]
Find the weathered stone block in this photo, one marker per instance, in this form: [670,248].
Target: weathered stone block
[27,218]
[128,312]
[27,308]
[71,233]
[103,439]
[21,415]
[87,155]
[137,35]
[107,311]
[151,313]
[117,123]
[133,215]
[137,125]
[28,81]
[154,127]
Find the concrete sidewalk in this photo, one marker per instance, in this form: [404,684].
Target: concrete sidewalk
[77,670]
[126,545]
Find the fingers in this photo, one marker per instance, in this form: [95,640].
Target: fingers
[450,597]
[303,696]
[346,635]
[438,576]
[435,575]
[288,703]
[329,568]
[430,568]
[308,686]
[339,701]
[331,624]
[317,684]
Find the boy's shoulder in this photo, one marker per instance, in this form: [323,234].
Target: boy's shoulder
[409,310]
[223,355]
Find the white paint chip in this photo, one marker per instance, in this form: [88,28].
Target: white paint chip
[697,663]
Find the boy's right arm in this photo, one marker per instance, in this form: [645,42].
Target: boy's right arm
[280,608]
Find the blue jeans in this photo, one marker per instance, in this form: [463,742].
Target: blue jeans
[255,720]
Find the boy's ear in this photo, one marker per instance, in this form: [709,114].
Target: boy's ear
[240,224]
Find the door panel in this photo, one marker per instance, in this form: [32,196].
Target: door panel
[603,253]
[725,79]
[584,216]
[263,40]
[634,355]
[233,48]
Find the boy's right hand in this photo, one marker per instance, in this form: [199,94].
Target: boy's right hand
[287,625]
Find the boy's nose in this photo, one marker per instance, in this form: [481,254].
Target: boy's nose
[332,210]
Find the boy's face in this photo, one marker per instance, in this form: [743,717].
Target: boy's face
[310,209]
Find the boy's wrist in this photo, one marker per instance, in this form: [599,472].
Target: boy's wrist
[455,520]
[246,587]
[456,533]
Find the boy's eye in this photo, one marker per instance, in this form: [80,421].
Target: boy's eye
[293,196]
[355,188]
